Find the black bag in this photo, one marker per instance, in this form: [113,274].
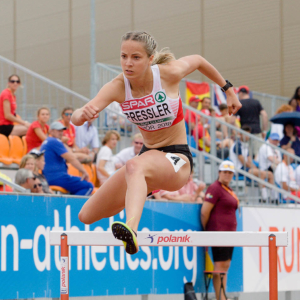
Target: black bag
[189,293]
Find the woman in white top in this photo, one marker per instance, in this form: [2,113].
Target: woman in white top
[105,163]
[148,92]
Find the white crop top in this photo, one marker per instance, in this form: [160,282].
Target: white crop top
[155,111]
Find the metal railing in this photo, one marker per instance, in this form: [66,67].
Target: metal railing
[16,187]
[37,91]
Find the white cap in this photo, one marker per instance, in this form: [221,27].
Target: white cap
[227,165]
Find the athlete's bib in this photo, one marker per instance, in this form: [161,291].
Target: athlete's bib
[155,111]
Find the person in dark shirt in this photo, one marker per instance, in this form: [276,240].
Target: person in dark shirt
[218,214]
[290,139]
[250,115]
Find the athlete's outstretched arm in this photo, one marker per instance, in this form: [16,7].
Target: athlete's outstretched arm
[188,64]
[112,91]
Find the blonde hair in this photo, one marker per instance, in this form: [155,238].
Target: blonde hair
[284,108]
[108,136]
[24,160]
[160,57]
[137,136]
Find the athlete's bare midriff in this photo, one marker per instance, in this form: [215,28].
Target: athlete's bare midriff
[173,135]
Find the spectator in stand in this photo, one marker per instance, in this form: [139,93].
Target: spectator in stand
[201,134]
[38,169]
[297,98]
[26,179]
[239,155]
[285,175]
[269,157]
[69,137]
[38,187]
[8,106]
[278,128]
[173,196]
[28,162]
[56,170]
[38,130]
[218,213]
[293,104]
[190,116]
[249,115]
[105,163]
[87,138]
[124,155]
[205,103]
[225,116]
[290,139]
[193,189]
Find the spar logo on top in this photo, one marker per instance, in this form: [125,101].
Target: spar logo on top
[256,259]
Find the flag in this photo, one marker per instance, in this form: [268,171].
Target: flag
[219,97]
[201,90]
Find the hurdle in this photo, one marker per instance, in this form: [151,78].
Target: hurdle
[272,240]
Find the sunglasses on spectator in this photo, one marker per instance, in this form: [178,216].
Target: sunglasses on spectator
[68,114]
[229,166]
[15,81]
[36,185]
[139,143]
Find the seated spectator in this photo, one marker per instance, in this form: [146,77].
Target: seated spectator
[8,106]
[297,98]
[87,139]
[38,187]
[285,175]
[201,134]
[239,155]
[38,130]
[221,130]
[293,104]
[3,186]
[205,103]
[193,189]
[69,137]
[173,196]
[28,162]
[114,119]
[124,155]
[56,170]
[39,167]
[290,139]
[105,163]
[190,116]
[278,128]
[269,157]
[25,179]
[227,118]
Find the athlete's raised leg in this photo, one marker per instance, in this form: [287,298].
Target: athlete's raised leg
[107,201]
[151,171]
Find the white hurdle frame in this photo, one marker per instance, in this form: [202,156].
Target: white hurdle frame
[272,240]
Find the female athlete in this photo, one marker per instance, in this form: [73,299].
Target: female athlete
[148,92]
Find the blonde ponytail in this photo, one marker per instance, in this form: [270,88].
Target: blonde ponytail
[163,56]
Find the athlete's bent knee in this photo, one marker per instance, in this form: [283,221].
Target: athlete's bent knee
[133,167]
[84,218]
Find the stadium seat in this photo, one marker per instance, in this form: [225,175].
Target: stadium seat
[58,189]
[24,145]
[89,171]
[73,171]
[4,150]
[95,180]
[16,148]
